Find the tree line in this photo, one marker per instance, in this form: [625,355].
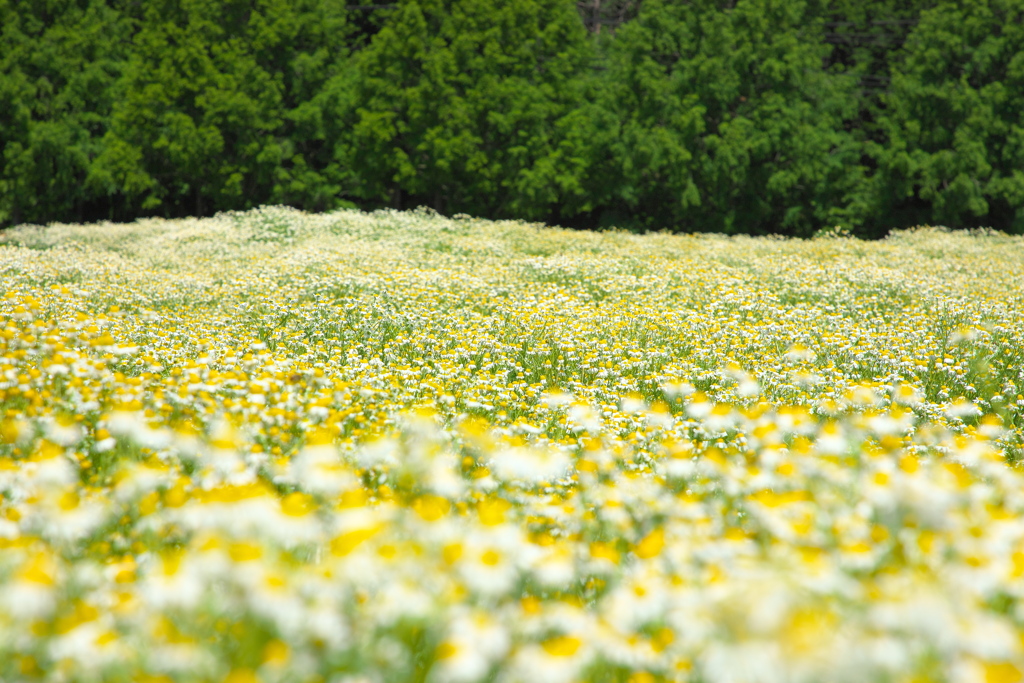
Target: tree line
[735,116]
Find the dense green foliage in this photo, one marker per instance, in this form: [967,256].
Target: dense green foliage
[953,150]
[467,106]
[756,116]
[726,120]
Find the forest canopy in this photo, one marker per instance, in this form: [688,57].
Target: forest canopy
[734,116]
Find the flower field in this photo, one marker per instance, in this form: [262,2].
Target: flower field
[379,448]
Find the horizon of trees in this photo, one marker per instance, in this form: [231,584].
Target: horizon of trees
[734,116]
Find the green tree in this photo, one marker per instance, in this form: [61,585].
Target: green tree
[466,106]
[58,62]
[214,109]
[727,120]
[952,151]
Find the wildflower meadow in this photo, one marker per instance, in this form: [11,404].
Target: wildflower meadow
[281,447]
